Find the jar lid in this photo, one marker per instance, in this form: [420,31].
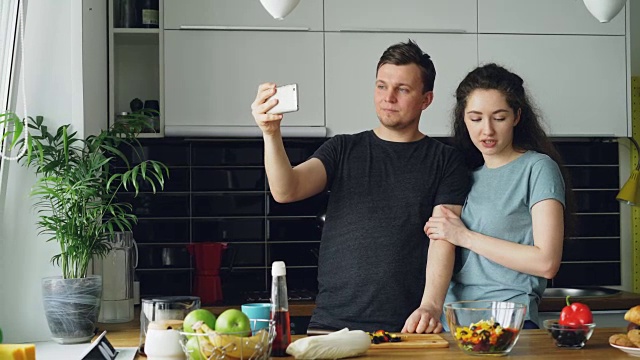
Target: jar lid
[278,268]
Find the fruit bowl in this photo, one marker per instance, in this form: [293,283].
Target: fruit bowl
[570,337]
[212,345]
[485,327]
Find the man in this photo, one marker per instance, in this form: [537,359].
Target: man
[384,184]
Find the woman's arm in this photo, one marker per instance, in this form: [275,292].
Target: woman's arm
[541,259]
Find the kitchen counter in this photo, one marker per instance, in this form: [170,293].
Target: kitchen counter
[621,301]
[533,344]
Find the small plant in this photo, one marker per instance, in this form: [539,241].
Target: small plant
[77,183]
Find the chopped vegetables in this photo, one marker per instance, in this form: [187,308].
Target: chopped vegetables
[382,336]
[485,336]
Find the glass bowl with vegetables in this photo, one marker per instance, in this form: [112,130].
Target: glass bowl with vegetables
[574,328]
[485,327]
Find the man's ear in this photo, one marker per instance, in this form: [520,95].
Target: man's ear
[427,100]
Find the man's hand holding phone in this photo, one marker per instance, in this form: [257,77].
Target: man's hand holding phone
[270,103]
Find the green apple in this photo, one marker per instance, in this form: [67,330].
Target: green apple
[233,321]
[194,316]
[193,348]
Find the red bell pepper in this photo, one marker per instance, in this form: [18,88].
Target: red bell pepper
[575,314]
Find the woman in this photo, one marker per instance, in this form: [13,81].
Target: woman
[512,226]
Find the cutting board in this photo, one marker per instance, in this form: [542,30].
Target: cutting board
[414,341]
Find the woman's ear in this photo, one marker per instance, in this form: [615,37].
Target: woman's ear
[517,119]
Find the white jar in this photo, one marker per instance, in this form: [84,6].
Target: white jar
[163,340]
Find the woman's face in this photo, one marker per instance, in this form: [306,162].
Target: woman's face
[490,122]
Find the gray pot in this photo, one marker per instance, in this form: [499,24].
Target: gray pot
[71,307]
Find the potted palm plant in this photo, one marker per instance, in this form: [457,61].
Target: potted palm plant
[76,200]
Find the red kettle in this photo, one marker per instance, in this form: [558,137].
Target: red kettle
[207,259]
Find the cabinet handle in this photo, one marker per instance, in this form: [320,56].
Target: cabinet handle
[243,28]
[241,131]
[457,31]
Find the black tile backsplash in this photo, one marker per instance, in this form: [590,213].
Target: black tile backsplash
[295,229]
[588,274]
[218,192]
[228,230]
[234,179]
[313,206]
[232,152]
[294,254]
[596,201]
[594,177]
[594,249]
[151,231]
[239,204]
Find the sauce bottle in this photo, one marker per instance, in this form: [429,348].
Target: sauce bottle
[280,309]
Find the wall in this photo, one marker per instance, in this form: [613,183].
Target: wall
[54,89]
[218,192]
[633,7]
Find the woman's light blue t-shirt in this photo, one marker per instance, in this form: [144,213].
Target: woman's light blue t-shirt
[499,205]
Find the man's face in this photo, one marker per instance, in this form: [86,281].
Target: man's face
[398,96]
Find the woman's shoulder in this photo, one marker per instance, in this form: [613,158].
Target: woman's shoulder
[532,157]
[540,163]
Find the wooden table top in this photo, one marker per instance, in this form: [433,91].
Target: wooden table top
[533,344]
[621,301]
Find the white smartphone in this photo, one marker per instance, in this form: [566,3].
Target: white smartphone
[287,96]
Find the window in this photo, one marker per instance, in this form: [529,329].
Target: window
[8,36]
[8,26]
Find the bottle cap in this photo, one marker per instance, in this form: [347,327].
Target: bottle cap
[278,268]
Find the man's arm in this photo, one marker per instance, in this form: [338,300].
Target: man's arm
[287,184]
[440,260]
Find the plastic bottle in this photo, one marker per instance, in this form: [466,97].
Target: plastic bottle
[280,309]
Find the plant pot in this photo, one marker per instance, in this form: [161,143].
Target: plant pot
[71,307]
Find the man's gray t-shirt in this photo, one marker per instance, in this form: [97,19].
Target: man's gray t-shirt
[499,205]
[373,252]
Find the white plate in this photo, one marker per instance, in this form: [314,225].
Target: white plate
[633,351]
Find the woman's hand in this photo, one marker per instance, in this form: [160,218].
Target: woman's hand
[448,227]
[423,320]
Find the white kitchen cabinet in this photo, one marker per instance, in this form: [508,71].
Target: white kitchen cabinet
[578,82]
[401,15]
[211,77]
[135,60]
[238,14]
[544,17]
[351,60]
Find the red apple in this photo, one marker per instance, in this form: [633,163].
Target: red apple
[194,316]
[233,321]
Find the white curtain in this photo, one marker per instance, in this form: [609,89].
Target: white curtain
[8,36]
[8,54]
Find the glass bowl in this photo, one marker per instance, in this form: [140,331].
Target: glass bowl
[570,337]
[225,346]
[485,327]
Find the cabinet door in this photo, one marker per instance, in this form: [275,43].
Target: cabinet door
[211,77]
[401,15]
[238,14]
[578,82]
[544,17]
[351,60]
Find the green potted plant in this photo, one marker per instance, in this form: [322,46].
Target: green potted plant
[76,200]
